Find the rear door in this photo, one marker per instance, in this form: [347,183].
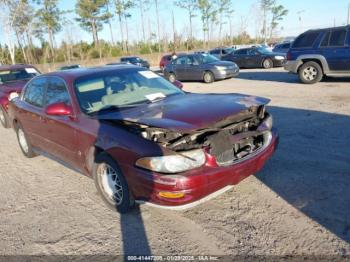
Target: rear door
[253,58]
[194,68]
[335,49]
[181,67]
[31,111]
[60,131]
[239,57]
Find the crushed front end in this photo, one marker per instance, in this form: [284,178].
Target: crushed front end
[233,149]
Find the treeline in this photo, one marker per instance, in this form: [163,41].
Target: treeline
[30,27]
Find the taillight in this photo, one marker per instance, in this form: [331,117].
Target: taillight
[289,56]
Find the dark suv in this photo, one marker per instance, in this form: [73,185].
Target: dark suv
[318,53]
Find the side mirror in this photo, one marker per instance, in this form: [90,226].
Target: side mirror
[13,96]
[58,109]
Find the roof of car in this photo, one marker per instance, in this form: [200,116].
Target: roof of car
[328,28]
[128,57]
[16,66]
[81,72]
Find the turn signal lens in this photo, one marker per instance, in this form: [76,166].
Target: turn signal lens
[171,195]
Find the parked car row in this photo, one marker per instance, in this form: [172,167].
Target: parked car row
[218,64]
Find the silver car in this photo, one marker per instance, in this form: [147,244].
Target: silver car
[200,67]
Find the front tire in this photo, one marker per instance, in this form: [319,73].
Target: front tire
[24,143]
[208,77]
[268,63]
[111,184]
[3,118]
[310,73]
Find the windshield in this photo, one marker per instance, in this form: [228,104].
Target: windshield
[134,60]
[17,74]
[229,50]
[121,89]
[263,50]
[206,58]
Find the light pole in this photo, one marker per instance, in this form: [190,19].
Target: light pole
[348,20]
[300,23]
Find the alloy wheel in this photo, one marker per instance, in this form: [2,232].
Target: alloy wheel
[267,64]
[172,78]
[110,183]
[208,78]
[310,73]
[23,141]
[2,117]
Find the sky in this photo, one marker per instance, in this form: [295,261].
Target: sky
[303,15]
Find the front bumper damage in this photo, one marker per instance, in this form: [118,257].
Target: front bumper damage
[232,154]
[205,183]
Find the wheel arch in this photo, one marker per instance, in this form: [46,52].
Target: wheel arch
[321,60]
[91,154]
[208,71]
[266,58]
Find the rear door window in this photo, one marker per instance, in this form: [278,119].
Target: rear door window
[182,60]
[35,91]
[57,92]
[215,52]
[306,40]
[337,38]
[325,39]
[241,52]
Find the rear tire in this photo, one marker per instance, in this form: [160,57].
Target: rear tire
[208,77]
[268,63]
[172,77]
[24,144]
[310,73]
[111,184]
[3,118]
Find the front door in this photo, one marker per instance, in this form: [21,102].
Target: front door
[253,59]
[60,131]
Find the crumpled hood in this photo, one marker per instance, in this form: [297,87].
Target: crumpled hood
[189,112]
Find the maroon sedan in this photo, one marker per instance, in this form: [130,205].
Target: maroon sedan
[12,79]
[140,138]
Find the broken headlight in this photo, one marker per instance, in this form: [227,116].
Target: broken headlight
[173,163]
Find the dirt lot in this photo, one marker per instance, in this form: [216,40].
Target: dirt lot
[298,204]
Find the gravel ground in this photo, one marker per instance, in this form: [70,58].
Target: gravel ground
[299,204]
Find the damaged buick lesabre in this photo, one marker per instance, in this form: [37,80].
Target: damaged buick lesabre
[141,138]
